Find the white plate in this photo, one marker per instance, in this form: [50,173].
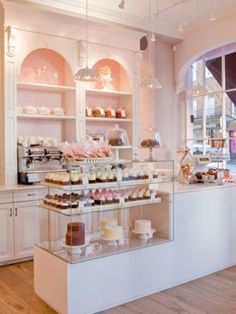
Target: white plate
[75,248]
[151,231]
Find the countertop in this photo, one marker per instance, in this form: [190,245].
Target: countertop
[168,186]
[19,187]
[187,188]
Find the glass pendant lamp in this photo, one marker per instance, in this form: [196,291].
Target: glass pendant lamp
[151,82]
[199,90]
[86,74]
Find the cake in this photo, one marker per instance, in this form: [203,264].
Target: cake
[75,234]
[116,142]
[108,222]
[142,226]
[149,143]
[112,232]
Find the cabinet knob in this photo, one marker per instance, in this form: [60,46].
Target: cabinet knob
[16,211]
[10,212]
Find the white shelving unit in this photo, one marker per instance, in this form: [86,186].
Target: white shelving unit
[44,117]
[45,87]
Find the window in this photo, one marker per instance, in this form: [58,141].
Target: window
[214,113]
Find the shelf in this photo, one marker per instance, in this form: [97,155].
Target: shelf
[107,119]
[116,184]
[44,117]
[132,243]
[45,87]
[121,147]
[101,208]
[108,92]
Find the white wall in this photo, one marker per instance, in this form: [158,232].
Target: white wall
[159,108]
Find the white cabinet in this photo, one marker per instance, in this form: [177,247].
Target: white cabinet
[26,227]
[6,232]
[19,224]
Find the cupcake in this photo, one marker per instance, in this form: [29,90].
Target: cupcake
[125,175]
[133,196]
[116,196]
[75,179]
[147,194]
[65,180]
[109,197]
[92,177]
[140,195]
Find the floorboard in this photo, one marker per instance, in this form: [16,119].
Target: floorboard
[213,294]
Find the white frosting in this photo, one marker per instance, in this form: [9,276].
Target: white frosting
[142,226]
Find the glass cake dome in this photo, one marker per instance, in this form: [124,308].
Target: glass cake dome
[117,136]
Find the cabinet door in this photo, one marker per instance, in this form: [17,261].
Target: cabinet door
[6,233]
[26,224]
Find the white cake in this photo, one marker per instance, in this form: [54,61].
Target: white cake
[142,226]
[109,222]
[112,232]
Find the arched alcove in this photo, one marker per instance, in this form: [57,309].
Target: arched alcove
[114,76]
[46,66]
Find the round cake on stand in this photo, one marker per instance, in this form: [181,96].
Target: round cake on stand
[113,234]
[143,228]
[75,238]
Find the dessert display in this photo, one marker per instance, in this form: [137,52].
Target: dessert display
[142,226]
[117,136]
[98,197]
[212,175]
[75,235]
[101,175]
[86,150]
[218,142]
[112,232]
[121,113]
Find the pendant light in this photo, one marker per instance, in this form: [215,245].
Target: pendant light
[151,82]
[86,74]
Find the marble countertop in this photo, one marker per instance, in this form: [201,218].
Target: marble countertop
[187,188]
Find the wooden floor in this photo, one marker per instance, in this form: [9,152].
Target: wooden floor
[214,294]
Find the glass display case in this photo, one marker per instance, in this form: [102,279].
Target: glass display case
[103,208]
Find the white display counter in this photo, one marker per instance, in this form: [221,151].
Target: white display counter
[204,242]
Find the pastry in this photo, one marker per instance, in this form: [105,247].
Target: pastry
[98,112]
[30,110]
[116,142]
[142,226]
[147,194]
[75,234]
[149,143]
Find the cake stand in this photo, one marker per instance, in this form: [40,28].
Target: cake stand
[75,249]
[113,241]
[145,235]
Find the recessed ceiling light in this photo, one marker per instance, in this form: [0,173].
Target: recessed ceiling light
[212,17]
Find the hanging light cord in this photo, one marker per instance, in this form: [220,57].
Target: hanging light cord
[86,33]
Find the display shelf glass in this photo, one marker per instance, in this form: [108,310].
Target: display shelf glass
[84,221]
[107,92]
[107,119]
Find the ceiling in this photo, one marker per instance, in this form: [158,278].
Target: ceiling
[171,18]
